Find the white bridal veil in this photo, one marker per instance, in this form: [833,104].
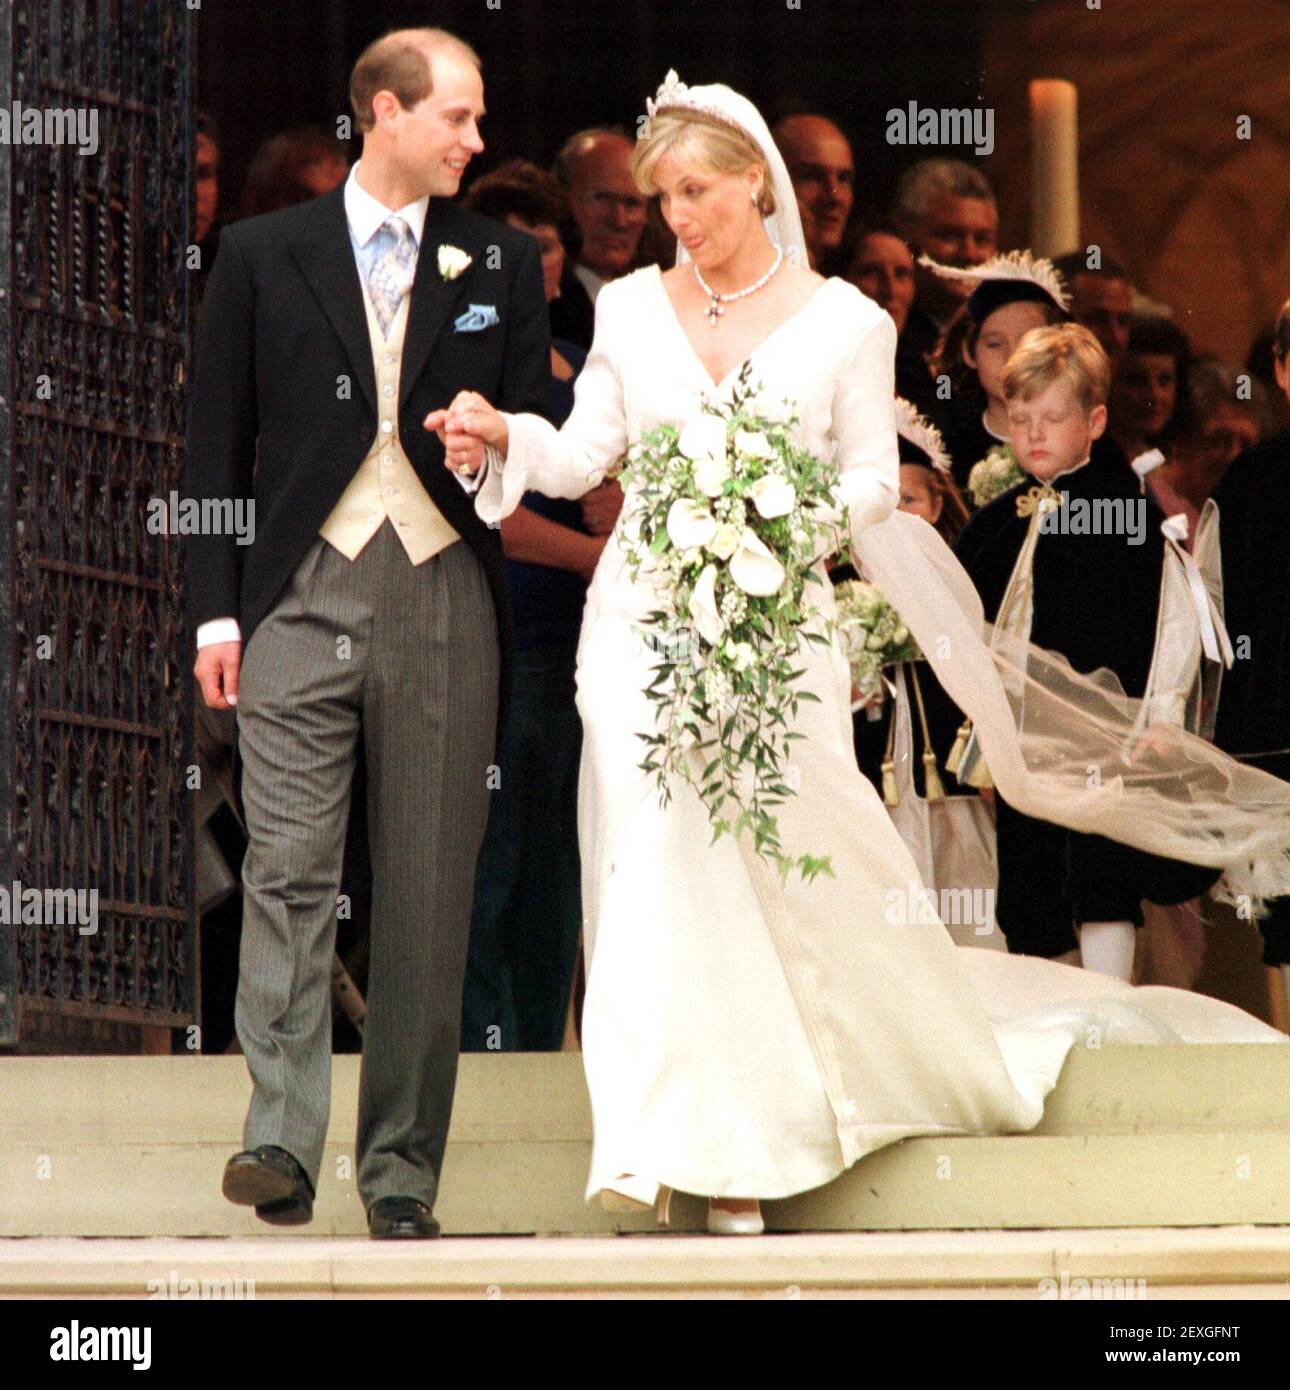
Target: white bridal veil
[1059,745]
[784,225]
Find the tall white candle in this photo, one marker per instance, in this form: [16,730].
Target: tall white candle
[1054,166]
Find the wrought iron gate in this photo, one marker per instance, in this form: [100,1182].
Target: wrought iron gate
[94,684]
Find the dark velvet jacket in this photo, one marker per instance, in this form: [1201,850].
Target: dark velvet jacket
[1095,596]
[1096,601]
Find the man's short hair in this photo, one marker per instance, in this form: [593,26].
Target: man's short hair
[923,184]
[1073,263]
[1061,352]
[562,165]
[399,62]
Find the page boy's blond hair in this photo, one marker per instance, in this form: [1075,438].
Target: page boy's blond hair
[1063,352]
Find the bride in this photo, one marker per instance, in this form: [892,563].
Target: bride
[746,1038]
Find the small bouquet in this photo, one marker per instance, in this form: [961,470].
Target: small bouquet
[727,519]
[993,475]
[872,633]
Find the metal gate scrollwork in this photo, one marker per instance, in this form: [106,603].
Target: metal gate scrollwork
[94,684]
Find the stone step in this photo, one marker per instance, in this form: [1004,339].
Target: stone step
[1132,1136]
[1233,1263]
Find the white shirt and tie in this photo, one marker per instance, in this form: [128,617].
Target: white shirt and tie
[386,246]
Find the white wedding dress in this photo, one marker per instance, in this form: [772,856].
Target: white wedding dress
[741,1037]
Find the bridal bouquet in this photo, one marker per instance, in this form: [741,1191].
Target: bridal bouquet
[727,518]
[872,633]
[993,475]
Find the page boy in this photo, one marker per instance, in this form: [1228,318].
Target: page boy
[1091,592]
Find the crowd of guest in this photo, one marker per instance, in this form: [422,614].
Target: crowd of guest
[594,225]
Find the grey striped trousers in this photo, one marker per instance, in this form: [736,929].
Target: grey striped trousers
[406,658]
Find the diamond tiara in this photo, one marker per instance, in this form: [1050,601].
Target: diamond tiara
[674,93]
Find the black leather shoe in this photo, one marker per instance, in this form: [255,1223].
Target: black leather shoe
[273,1182]
[400,1218]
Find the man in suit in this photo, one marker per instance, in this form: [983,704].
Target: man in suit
[370,605]
[944,209]
[823,170]
[610,215]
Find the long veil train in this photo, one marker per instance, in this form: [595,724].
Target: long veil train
[1069,747]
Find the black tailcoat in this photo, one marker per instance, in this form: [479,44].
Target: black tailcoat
[283,405]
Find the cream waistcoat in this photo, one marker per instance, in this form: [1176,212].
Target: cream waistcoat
[386,484]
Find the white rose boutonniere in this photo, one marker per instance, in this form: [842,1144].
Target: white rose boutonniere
[453,261]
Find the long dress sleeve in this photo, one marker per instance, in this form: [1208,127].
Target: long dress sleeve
[864,427]
[570,461]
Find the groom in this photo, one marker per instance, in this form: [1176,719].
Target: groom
[370,605]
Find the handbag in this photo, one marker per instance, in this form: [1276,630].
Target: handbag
[951,838]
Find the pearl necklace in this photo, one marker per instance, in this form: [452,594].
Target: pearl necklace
[714,310]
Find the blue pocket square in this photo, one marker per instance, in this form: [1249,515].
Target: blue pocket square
[476,319]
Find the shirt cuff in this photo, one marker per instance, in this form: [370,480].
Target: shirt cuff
[472,482]
[218,630]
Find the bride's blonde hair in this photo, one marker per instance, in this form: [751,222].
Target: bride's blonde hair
[701,142]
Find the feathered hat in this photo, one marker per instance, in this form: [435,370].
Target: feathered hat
[920,440]
[1005,279]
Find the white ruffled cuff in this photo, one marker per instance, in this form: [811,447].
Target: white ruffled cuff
[504,478]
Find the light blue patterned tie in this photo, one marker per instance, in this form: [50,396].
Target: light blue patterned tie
[390,277]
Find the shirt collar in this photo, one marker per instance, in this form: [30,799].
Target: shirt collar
[591,282]
[367,215]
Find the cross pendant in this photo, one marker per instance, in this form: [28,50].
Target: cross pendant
[714,312]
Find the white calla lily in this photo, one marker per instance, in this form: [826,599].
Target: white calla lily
[703,607]
[754,569]
[754,444]
[704,437]
[689,525]
[773,496]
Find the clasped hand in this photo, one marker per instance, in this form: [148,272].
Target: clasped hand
[464,429]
